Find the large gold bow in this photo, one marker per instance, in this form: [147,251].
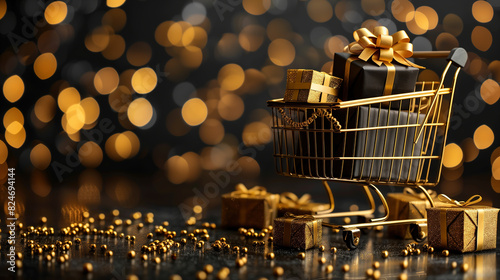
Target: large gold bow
[241,190]
[472,200]
[382,47]
[292,200]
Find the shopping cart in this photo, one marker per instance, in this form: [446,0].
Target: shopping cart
[386,140]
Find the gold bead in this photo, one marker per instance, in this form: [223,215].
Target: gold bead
[329,268]
[404,264]
[150,235]
[333,250]
[92,247]
[322,260]
[464,267]
[417,251]
[385,254]
[208,268]
[244,250]
[376,265]
[376,274]
[454,265]
[104,247]
[270,239]
[445,253]
[144,257]
[278,271]
[403,276]
[322,248]
[201,275]
[270,256]
[369,272]
[157,260]
[239,262]
[109,253]
[404,252]
[88,268]
[301,255]
[345,268]
[430,249]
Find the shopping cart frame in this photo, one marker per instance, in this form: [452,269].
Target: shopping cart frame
[295,118]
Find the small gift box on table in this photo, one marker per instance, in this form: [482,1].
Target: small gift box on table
[462,227]
[291,203]
[389,72]
[251,208]
[311,86]
[407,205]
[300,232]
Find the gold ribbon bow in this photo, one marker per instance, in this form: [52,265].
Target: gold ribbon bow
[241,190]
[480,219]
[471,201]
[420,195]
[381,47]
[287,230]
[292,200]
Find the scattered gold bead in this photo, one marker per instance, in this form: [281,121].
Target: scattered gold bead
[144,257]
[404,264]
[104,247]
[445,253]
[345,268]
[157,260]
[385,254]
[239,262]
[201,275]
[109,253]
[425,247]
[19,264]
[223,239]
[131,254]
[270,239]
[140,225]
[464,267]
[223,273]
[454,265]
[61,259]
[369,272]
[244,250]
[48,258]
[430,249]
[417,251]
[403,276]
[92,247]
[88,268]
[322,248]
[376,265]
[213,225]
[376,274]
[270,256]
[19,256]
[322,260]
[333,250]
[208,269]
[329,268]
[278,271]
[150,235]
[404,252]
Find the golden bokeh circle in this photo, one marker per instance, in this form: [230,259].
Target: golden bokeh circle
[470,150]
[211,132]
[194,111]
[115,18]
[67,97]
[319,10]
[91,108]
[256,7]
[90,154]
[139,53]
[495,168]
[481,38]
[75,117]
[115,48]
[401,9]
[281,52]
[231,77]
[446,41]
[40,156]
[115,3]
[144,80]
[45,66]
[16,140]
[140,112]
[106,80]
[177,169]
[4,152]
[13,88]
[483,137]
[3,8]
[453,24]
[431,16]
[490,91]
[482,11]
[231,107]
[251,37]
[453,155]
[56,12]
[373,7]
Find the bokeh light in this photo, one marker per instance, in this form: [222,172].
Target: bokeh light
[40,156]
[231,107]
[231,77]
[212,132]
[140,112]
[256,7]
[482,11]
[490,91]
[483,137]
[91,109]
[194,112]
[320,10]
[144,80]
[56,12]
[481,38]
[139,53]
[453,155]
[177,169]
[13,88]
[45,66]
[68,97]
[4,152]
[281,52]
[3,8]
[106,80]
[115,3]
[90,154]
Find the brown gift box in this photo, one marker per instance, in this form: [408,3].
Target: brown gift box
[407,205]
[251,208]
[300,232]
[464,228]
[311,86]
[291,203]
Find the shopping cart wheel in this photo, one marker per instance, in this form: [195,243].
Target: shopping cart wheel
[351,238]
[418,232]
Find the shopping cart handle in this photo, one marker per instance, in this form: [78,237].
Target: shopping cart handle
[457,55]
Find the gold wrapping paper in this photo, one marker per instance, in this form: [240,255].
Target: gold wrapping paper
[300,232]
[462,227]
[406,205]
[252,208]
[291,203]
[311,86]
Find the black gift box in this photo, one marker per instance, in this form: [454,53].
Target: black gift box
[367,79]
[364,142]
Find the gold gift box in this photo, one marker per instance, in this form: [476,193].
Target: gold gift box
[291,203]
[405,206]
[300,232]
[253,208]
[464,229]
[311,86]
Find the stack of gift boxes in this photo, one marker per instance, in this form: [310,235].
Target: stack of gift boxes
[375,64]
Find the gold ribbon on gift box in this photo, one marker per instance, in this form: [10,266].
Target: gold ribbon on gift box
[455,203]
[323,88]
[382,48]
[241,191]
[287,231]
[419,195]
[292,200]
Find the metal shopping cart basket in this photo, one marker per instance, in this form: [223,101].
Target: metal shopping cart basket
[386,140]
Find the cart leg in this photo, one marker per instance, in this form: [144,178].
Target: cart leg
[330,197]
